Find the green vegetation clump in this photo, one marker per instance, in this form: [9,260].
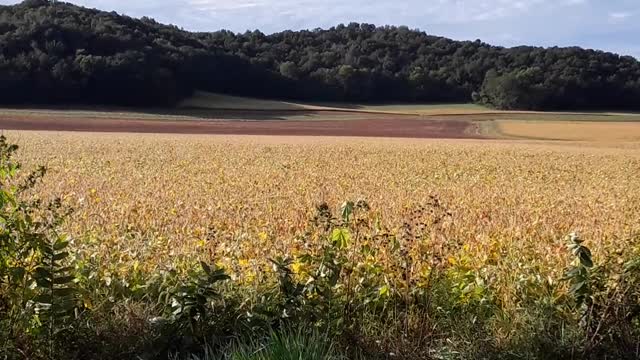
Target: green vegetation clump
[54,52]
[352,291]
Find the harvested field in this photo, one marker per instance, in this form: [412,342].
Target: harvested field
[205,100]
[212,101]
[573,131]
[376,127]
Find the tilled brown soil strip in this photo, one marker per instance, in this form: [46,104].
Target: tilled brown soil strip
[392,127]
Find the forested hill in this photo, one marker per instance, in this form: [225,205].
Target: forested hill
[62,53]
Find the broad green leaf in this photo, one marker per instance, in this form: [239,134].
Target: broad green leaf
[341,238]
[41,272]
[586,261]
[577,287]
[60,244]
[43,299]
[43,283]
[60,256]
[205,267]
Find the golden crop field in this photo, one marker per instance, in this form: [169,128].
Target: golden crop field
[571,130]
[456,238]
[154,200]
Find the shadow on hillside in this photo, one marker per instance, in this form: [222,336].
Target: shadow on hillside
[233,114]
[211,101]
[169,114]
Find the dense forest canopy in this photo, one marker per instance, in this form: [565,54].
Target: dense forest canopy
[53,52]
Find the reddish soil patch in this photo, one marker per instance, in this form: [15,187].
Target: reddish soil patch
[392,127]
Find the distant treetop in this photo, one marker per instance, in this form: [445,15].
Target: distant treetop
[53,52]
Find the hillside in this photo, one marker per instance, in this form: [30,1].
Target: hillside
[59,53]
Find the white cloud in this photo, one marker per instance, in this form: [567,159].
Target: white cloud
[225,5]
[619,16]
[441,11]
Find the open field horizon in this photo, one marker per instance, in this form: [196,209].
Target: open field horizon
[222,114]
[207,100]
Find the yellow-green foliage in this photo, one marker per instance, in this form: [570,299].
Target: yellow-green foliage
[491,217]
[155,200]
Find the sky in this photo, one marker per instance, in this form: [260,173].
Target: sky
[610,25]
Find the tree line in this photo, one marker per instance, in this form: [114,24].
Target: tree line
[52,52]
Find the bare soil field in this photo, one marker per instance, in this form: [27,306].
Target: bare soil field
[207,113]
[376,127]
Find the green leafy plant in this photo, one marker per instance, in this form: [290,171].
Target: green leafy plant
[56,299]
[36,279]
[607,298]
[290,290]
[192,303]
[579,274]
